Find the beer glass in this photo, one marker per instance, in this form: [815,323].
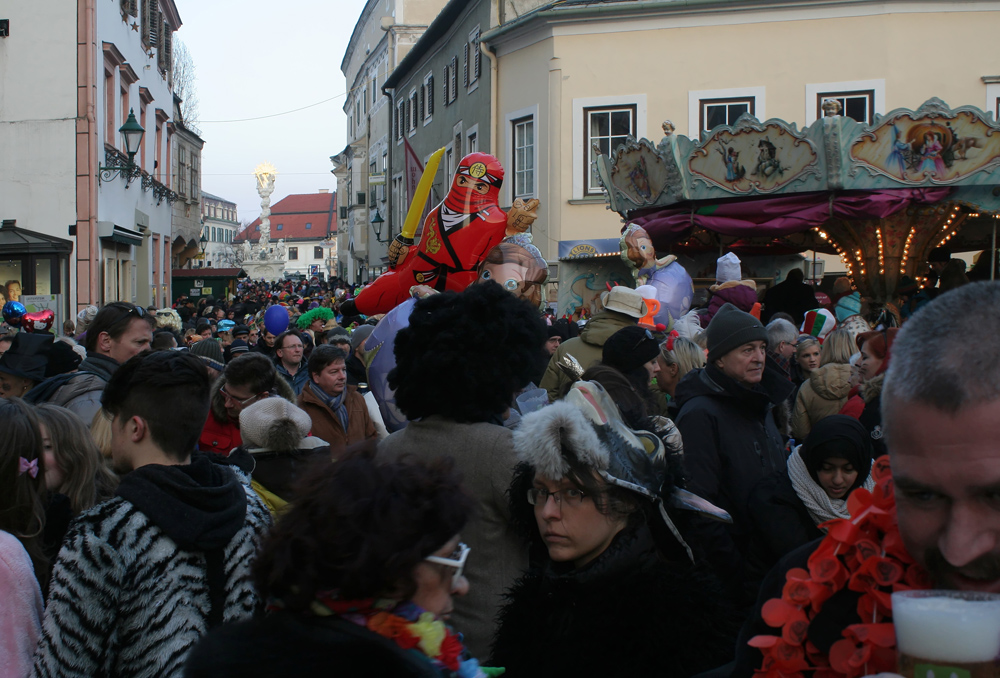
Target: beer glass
[947,634]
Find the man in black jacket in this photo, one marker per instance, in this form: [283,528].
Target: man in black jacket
[730,438]
[792,296]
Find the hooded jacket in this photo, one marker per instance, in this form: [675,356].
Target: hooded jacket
[823,394]
[627,613]
[141,577]
[82,394]
[730,443]
[587,349]
[740,293]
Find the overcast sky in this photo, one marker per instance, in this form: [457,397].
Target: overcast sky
[254,59]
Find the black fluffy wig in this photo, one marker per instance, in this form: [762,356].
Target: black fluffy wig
[464,355]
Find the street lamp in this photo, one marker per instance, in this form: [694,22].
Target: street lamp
[377,222]
[203,243]
[132,133]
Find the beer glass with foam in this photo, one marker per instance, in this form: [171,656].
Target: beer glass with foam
[947,634]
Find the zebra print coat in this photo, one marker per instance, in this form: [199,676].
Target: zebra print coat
[126,600]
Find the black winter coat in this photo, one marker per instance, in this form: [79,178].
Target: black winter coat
[781,524]
[288,644]
[731,443]
[627,613]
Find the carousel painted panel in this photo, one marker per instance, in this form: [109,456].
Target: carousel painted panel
[638,175]
[931,146]
[755,158]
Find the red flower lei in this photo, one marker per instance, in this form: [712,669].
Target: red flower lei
[864,553]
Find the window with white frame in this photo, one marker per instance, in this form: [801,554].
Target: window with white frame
[411,110]
[859,104]
[449,163]
[446,89]
[715,112]
[473,59]
[472,142]
[523,152]
[454,78]
[607,128]
[427,90]
[400,113]
[293,253]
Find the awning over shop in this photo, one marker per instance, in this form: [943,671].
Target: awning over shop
[111,232]
[588,249]
[14,240]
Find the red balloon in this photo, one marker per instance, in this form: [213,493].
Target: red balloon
[40,321]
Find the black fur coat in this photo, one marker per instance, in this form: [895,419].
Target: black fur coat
[628,613]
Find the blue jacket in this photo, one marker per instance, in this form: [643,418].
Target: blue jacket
[298,382]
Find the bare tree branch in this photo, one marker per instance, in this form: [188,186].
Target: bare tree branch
[184,85]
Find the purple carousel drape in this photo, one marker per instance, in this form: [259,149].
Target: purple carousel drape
[782,215]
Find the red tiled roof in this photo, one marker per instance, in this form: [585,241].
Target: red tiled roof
[293,213]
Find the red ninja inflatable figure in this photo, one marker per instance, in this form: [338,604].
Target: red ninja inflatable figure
[457,235]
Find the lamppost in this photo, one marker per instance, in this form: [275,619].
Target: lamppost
[132,133]
[203,243]
[377,222]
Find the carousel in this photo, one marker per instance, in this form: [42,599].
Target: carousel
[879,196]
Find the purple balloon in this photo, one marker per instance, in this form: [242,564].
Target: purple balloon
[674,291]
[380,359]
[276,319]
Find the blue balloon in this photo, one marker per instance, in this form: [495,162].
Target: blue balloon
[13,311]
[276,319]
[380,359]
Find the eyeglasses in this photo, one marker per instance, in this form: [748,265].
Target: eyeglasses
[572,496]
[138,311]
[646,335]
[241,403]
[457,561]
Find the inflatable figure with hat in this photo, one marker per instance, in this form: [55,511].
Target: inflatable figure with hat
[672,288]
[457,235]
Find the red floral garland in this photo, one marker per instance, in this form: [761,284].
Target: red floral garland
[864,553]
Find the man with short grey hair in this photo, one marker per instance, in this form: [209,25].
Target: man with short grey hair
[941,420]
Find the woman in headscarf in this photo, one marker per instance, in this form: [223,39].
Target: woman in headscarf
[788,510]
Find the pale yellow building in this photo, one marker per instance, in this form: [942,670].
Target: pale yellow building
[572,75]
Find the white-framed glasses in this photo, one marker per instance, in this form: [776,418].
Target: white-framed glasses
[456,561]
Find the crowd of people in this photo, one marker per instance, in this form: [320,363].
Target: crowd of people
[185,493]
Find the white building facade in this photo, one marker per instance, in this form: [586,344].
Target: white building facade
[71,75]
[221,224]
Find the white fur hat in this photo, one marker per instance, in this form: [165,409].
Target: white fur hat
[727,268]
[274,424]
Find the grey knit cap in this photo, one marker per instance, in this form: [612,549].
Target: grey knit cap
[730,329]
[210,351]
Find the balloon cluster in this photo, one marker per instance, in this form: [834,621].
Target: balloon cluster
[16,315]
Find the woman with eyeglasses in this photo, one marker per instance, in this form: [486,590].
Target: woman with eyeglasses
[359,577]
[613,589]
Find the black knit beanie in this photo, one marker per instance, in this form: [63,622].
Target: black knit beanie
[731,328]
[630,348]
